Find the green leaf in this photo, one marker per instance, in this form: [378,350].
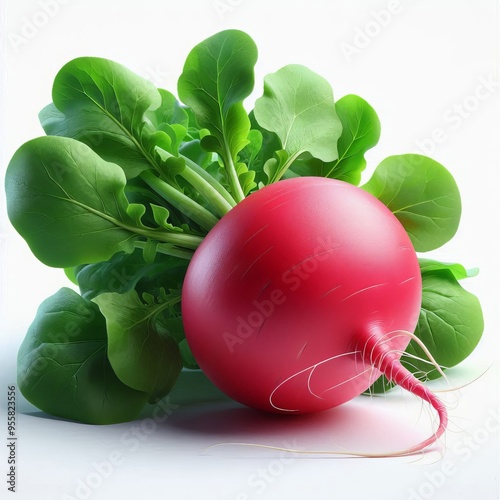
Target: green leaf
[422,194]
[246,158]
[217,76]
[250,152]
[124,272]
[161,216]
[246,177]
[70,273]
[273,166]
[193,150]
[187,356]
[298,106]
[68,203]
[123,118]
[142,356]
[169,112]
[149,251]
[70,206]
[138,192]
[450,324]
[170,166]
[458,271]
[102,104]
[360,132]
[270,145]
[63,367]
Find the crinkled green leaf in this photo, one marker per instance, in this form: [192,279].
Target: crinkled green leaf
[246,177]
[162,217]
[63,367]
[138,192]
[422,194]
[170,166]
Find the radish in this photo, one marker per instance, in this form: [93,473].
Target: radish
[302,296]
[303,292]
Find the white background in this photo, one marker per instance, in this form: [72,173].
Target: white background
[417,66]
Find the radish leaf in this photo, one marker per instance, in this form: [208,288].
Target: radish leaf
[422,194]
[360,132]
[169,112]
[124,272]
[126,122]
[143,356]
[63,367]
[109,117]
[450,323]
[298,106]
[69,204]
[268,143]
[217,76]
[458,271]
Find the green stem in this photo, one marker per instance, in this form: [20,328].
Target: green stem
[200,171]
[168,250]
[192,174]
[186,205]
[184,240]
[215,194]
[219,204]
[211,190]
[213,182]
[232,178]
[285,167]
[188,241]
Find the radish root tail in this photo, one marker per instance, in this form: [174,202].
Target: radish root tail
[381,356]
[378,352]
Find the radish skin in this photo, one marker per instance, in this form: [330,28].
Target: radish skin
[296,300]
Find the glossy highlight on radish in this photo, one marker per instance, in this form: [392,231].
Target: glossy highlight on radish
[302,296]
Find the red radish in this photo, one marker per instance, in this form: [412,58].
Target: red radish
[300,297]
